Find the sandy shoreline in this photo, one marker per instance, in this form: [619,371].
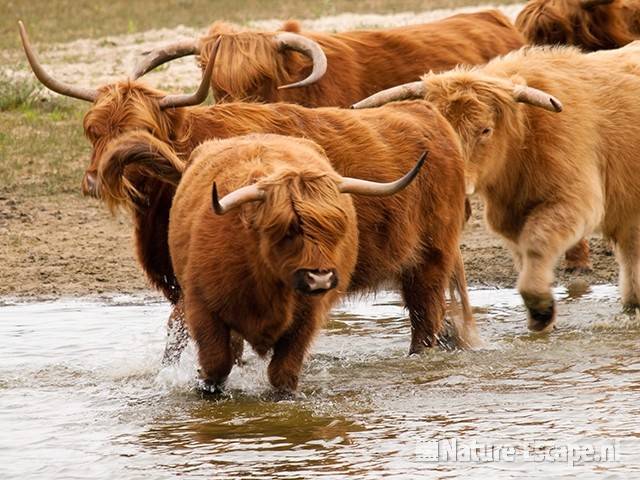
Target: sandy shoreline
[71,246]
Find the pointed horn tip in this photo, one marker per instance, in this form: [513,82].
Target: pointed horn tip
[418,166]
[422,159]
[23,31]
[557,106]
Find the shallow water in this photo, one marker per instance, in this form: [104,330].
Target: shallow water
[82,395]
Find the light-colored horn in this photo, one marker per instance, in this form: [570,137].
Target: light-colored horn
[401,92]
[537,98]
[365,187]
[308,47]
[156,57]
[81,93]
[200,95]
[250,193]
[587,4]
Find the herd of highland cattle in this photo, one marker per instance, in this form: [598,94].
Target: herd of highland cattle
[255,215]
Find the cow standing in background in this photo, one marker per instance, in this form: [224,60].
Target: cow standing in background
[337,69]
[548,178]
[412,238]
[273,254]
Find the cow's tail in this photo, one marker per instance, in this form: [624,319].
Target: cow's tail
[463,330]
[131,167]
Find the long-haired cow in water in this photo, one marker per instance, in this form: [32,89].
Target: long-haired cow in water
[411,238]
[319,69]
[264,239]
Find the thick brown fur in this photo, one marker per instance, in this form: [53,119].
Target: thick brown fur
[411,238]
[249,65]
[567,22]
[237,270]
[550,178]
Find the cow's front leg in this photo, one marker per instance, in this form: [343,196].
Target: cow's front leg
[213,339]
[290,349]
[423,290]
[534,284]
[546,236]
[627,248]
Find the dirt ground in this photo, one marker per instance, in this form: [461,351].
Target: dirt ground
[69,245]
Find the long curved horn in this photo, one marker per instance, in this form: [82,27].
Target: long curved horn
[81,93]
[365,187]
[200,95]
[156,57]
[587,4]
[232,200]
[401,92]
[308,47]
[537,98]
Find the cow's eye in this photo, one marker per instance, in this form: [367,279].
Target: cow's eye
[487,131]
[292,232]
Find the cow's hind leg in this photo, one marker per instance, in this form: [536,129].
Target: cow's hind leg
[577,258]
[627,247]
[213,339]
[290,350]
[423,289]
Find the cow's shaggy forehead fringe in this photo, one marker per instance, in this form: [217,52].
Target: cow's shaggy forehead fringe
[304,198]
[244,60]
[130,106]
[470,100]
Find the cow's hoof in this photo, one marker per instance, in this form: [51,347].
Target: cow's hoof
[577,288]
[420,346]
[283,395]
[207,388]
[631,308]
[542,321]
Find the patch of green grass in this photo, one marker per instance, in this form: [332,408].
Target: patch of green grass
[16,93]
[43,150]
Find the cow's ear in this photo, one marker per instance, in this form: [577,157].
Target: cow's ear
[518,80]
[291,25]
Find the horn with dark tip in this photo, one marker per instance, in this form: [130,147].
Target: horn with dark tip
[200,95]
[250,193]
[156,57]
[81,93]
[365,187]
[307,47]
[587,4]
[401,92]
[537,98]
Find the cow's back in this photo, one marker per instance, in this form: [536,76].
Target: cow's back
[363,62]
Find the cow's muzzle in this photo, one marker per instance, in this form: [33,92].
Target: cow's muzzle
[314,282]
